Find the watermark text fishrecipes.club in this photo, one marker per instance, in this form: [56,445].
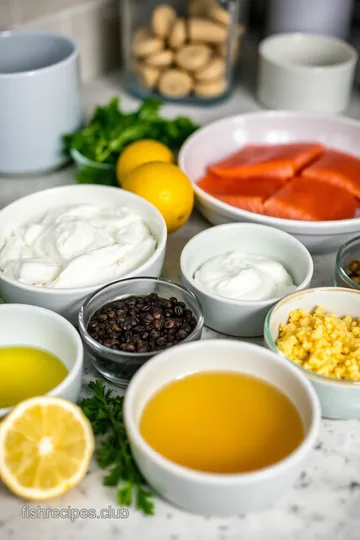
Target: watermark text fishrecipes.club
[72,514]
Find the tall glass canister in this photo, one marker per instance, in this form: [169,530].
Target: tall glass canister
[184,50]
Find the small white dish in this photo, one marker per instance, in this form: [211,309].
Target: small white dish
[219,139]
[31,326]
[307,72]
[242,318]
[67,302]
[219,494]
[339,399]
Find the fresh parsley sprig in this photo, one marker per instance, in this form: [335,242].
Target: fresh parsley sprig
[111,129]
[105,412]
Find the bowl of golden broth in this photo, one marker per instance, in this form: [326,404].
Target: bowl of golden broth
[220,427]
[41,353]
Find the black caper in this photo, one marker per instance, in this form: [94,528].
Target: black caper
[158,324]
[141,324]
[354,270]
[182,334]
[179,311]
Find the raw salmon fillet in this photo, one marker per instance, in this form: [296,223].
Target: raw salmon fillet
[245,193]
[281,161]
[336,168]
[306,200]
[244,202]
[215,184]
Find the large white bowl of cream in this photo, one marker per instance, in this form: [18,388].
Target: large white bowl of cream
[59,245]
[240,270]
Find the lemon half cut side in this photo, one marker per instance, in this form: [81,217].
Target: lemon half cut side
[46,445]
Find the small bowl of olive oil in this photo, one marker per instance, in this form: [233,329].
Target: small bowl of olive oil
[41,353]
[220,427]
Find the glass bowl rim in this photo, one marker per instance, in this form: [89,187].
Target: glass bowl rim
[118,355]
[309,374]
[80,159]
[339,268]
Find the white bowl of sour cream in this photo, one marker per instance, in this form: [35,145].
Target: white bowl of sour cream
[240,270]
[59,245]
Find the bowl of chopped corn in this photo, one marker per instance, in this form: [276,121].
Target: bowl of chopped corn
[319,331]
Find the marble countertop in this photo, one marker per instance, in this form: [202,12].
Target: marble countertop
[325,502]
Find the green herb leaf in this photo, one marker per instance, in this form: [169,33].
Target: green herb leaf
[114,476]
[91,175]
[145,501]
[105,412]
[110,130]
[124,495]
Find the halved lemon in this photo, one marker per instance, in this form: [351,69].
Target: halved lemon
[46,445]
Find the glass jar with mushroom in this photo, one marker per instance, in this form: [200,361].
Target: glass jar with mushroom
[182,50]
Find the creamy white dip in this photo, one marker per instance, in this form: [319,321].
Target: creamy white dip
[244,276]
[77,246]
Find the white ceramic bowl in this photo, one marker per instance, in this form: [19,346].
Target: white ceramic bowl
[67,302]
[30,326]
[219,494]
[307,72]
[221,138]
[338,398]
[242,318]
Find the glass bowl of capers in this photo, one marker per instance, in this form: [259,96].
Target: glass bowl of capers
[347,267]
[129,321]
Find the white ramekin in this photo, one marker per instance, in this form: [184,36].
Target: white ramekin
[219,494]
[308,72]
[242,318]
[339,398]
[31,326]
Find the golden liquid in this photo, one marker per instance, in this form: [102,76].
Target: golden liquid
[221,422]
[27,372]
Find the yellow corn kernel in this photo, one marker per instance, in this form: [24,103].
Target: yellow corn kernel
[322,342]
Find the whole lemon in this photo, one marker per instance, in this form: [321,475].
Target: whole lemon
[140,152]
[167,188]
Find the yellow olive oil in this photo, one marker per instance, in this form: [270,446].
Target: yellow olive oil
[221,422]
[27,372]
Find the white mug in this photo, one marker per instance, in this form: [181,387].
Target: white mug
[306,72]
[40,99]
